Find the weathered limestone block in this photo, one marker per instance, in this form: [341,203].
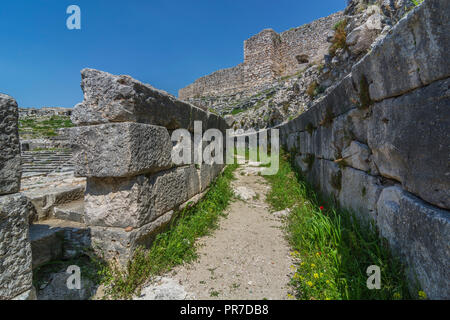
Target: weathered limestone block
[136,201]
[359,193]
[357,122]
[58,239]
[15,249]
[357,156]
[410,141]
[305,145]
[340,100]
[45,201]
[360,39]
[421,234]
[414,54]
[208,173]
[120,149]
[119,244]
[10,161]
[330,178]
[46,244]
[27,295]
[293,142]
[111,98]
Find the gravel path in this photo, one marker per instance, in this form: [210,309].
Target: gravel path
[246,258]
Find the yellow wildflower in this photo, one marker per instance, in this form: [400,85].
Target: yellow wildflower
[422,295]
[313,265]
[309,283]
[316,276]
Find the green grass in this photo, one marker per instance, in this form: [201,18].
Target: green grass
[237,111]
[33,127]
[331,248]
[174,246]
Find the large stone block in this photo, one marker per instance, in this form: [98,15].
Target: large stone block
[118,244]
[410,141]
[120,149]
[10,161]
[111,98]
[360,193]
[134,202]
[15,249]
[357,155]
[415,53]
[208,173]
[45,200]
[421,234]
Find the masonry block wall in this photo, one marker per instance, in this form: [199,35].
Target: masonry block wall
[267,57]
[379,143]
[123,146]
[15,249]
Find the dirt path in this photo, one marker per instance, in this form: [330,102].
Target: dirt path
[246,258]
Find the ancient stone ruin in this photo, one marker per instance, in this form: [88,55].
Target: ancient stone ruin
[15,249]
[267,56]
[376,142]
[122,145]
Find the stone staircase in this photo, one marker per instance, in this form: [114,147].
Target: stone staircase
[45,162]
[57,230]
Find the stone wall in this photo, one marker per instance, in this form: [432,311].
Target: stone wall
[123,146]
[379,143]
[221,82]
[267,57]
[15,249]
[44,112]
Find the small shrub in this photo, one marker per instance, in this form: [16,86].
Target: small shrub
[340,37]
[311,90]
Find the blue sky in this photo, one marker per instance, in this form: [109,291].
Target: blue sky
[167,44]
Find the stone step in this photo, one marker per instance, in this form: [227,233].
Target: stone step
[46,199]
[72,211]
[57,239]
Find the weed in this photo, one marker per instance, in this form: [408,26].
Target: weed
[340,37]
